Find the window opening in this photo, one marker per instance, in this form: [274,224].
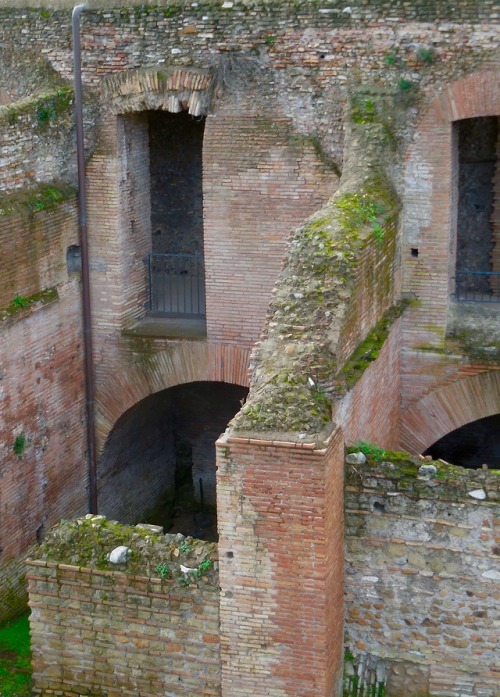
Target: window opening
[478,220]
[176,264]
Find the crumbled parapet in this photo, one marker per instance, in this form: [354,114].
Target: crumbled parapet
[142,550]
[313,317]
[418,476]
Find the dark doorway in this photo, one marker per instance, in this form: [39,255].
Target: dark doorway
[476,277]
[472,445]
[176,262]
[158,464]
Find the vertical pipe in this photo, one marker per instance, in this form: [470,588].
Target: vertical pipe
[82,223]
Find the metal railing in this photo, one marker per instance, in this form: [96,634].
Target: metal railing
[478,286]
[176,284]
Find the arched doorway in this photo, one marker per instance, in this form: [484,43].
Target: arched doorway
[472,445]
[158,463]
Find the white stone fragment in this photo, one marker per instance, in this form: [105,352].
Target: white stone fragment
[356,459]
[187,569]
[347,10]
[119,555]
[495,575]
[227,5]
[369,579]
[478,494]
[311,382]
[427,470]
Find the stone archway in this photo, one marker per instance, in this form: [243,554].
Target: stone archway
[158,464]
[181,363]
[449,408]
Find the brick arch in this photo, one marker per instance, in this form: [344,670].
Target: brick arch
[171,89]
[176,365]
[449,408]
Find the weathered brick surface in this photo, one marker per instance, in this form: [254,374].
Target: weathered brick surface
[41,389]
[280,525]
[420,584]
[259,184]
[371,410]
[104,632]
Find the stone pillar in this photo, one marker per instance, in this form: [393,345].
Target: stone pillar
[280,516]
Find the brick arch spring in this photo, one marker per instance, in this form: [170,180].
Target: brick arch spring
[158,463]
[448,409]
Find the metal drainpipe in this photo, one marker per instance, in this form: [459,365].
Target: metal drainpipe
[82,223]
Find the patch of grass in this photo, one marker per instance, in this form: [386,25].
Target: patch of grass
[372,451]
[15,658]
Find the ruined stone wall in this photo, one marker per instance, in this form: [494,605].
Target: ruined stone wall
[422,580]
[102,629]
[42,452]
[36,139]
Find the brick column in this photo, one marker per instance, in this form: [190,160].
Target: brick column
[280,509]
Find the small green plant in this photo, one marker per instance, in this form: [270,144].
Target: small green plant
[185,548]
[183,581]
[378,232]
[363,110]
[19,445]
[204,567]
[390,59]
[52,105]
[270,39]
[163,570]
[20,301]
[425,55]
[405,85]
[369,449]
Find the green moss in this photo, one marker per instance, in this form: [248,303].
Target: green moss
[50,106]
[42,198]
[43,108]
[369,349]
[87,542]
[475,344]
[22,305]
[15,658]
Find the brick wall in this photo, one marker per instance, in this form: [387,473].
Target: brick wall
[260,182]
[114,633]
[42,435]
[280,514]
[371,410]
[422,576]
[36,140]
[429,228]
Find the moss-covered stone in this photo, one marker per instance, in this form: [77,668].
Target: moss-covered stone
[297,366]
[87,542]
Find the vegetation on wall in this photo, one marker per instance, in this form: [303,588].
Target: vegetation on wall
[41,198]
[298,366]
[42,109]
[88,542]
[22,305]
